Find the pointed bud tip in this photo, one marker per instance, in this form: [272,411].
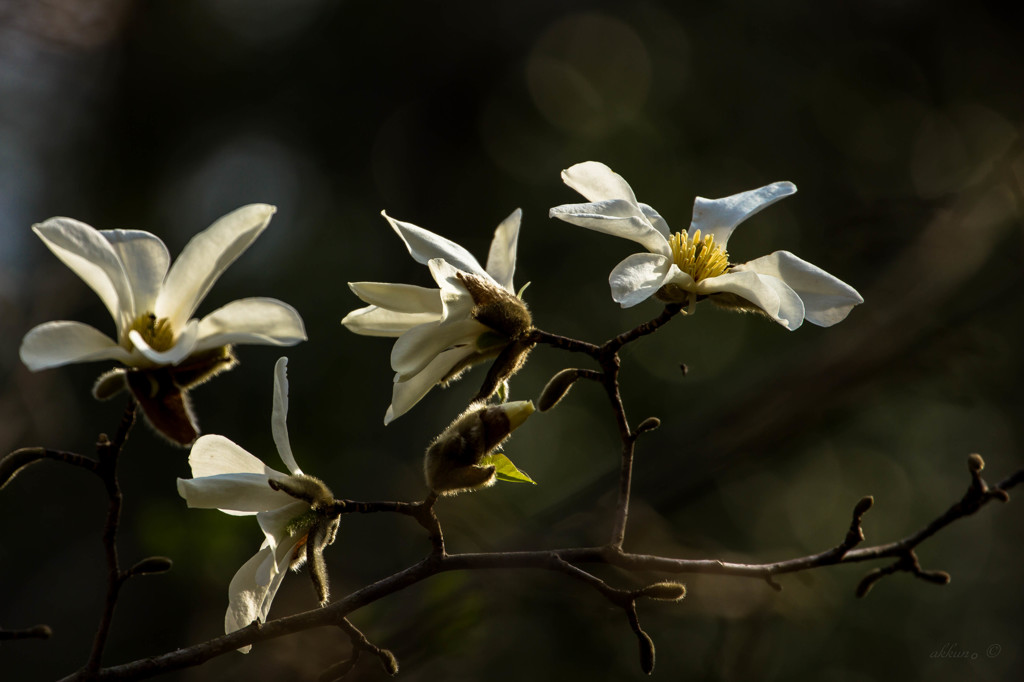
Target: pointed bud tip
[517,412]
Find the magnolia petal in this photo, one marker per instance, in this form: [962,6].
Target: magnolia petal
[206,257]
[501,259]
[719,217]
[418,347]
[827,300]
[53,344]
[213,455]
[248,600]
[237,494]
[275,524]
[259,321]
[638,277]
[424,245]
[657,222]
[374,321]
[401,298]
[597,182]
[456,301]
[183,346]
[409,392]
[770,294]
[618,218]
[91,257]
[279,416]
[145,260]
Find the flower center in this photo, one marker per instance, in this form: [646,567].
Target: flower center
[156,332]
[698,257]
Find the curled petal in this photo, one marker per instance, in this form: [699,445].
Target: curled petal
[618,218]
[374,321]
[501,259]
[213,455]
[638,277]
[279,416]
[59,343]
[183,346]
[401,298]
[827,299]
[719,217]
[260,321]
[91,257]
[424,245]
[206,257]
[597,182]
[409,392]
[769,294]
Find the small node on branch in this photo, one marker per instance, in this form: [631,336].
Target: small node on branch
[151,566]
[975,463]
[388,661]
[648,424]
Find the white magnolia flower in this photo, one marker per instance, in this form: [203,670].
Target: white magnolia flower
[228,478]
[152,305]
[685,266]
[472,317]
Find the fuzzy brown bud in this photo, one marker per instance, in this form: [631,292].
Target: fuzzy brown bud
[557,388]
[664,591]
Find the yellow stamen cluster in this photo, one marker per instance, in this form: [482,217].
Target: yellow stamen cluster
[156,332]
[699,258]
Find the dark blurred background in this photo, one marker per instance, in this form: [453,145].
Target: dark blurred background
[899,121]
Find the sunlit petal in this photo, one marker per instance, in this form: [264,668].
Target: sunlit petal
[259,321]
[145,260]
[719,217]
[827,299]
[402,298]
[424,245]
[618,218]
[279,416]
[406,394]
[501,259]
[638,277]
[53,344]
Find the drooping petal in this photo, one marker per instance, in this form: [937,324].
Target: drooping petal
[827,299]
[501,260]
[424,245]
[638,277]
[259,321]
[237,494]
[770,294]
[418,347]
[409,392]
[597,182]
[53,344]
[213,455]
[618,218]
[402,298]
[183,346]
[248,600]
[145,260]
[91,257]
[719,217]
[374,321]
[279,416]
[206,257]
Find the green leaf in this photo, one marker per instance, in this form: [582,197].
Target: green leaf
[504,469]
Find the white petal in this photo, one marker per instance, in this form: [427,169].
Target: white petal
[456,301]
[248,599]
[183,346]
[402,298]
[409,392]
[213,455]
[719,217]
[205,258]
[275,524]
[597,182]
[501,260]
[279,416]
[374,321]
[91,257]
[615,217]
[145,260]
[53,344]
[260,321]
[418,347]
[656,220]
[237,494]
[638,277]
[424,245]
[770,294]
[827,299]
